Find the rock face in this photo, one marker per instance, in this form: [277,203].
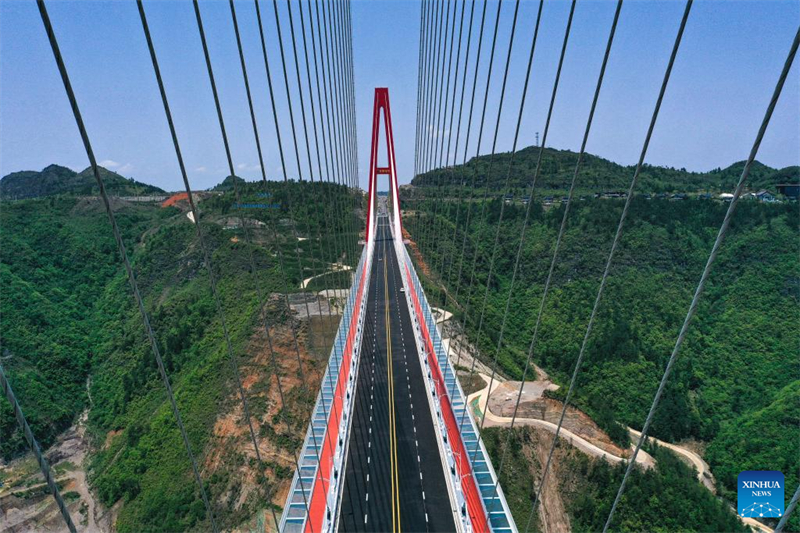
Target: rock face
[25,503]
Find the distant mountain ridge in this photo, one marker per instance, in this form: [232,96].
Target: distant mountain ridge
[55,180]
[599,174]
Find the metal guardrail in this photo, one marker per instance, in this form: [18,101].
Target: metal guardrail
[295,511]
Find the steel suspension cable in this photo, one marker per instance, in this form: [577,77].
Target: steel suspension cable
[528,210]
[624,213]
[200,236]
[336,21]
[438,73]
[440,121]
[347,38]
[480,137]
[553,263]
[723,230]
[329,239]
[354,120]
[248,240]
[124,254]
[439,106]
[347,100]
[296,148]
[424,104]
[455,77]
[290,205]
[338,86]
[491,160]
[33,444]
[439,198]
[337,98]
[280,257]
[422,22]
[334,243]
[288,92]
[435,123]
[434,65]
[789,510]
[285,179]
[334,96]
[441,242]
[336,167]
[275,237]
[469,127]
[459,201]
[431,51]
[299,81]
[454,299]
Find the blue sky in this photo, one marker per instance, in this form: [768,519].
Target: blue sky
[724,75]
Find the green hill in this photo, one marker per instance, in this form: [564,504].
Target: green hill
[227,184]
[736,385]
[73,339]
[54,180]
[599,174]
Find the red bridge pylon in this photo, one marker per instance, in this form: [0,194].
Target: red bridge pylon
[382,104]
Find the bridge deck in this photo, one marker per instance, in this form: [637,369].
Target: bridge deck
[394,471]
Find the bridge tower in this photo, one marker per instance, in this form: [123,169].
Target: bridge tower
[381,110]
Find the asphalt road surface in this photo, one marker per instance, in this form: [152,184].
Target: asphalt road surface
[394,479]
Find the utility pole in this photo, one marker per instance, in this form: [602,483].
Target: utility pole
[537,138]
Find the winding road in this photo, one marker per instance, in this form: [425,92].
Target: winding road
[646,460]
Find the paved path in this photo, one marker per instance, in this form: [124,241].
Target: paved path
[492,420]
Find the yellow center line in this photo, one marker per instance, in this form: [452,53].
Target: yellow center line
[392,416]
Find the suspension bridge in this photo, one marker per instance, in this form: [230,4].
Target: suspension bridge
[391,443]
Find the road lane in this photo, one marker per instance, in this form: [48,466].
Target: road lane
[394,478]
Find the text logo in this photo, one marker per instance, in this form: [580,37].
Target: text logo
[760,494]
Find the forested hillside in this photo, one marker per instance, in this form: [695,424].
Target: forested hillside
[736,385]
[74,340]
[55,179]
[665,499]
[597,175]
